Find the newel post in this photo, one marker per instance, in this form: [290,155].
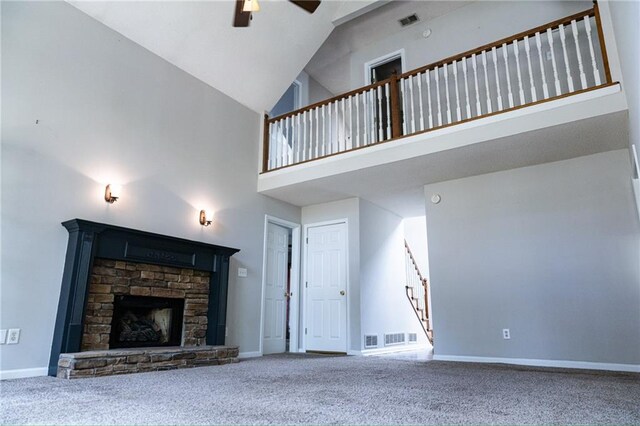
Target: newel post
[265,145]
[394,93]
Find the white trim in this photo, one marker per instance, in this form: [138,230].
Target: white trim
[587,365]
[383,60]
[23,373]
[297,100]
[395,349]
[303,346]
[294,302]
[245,355]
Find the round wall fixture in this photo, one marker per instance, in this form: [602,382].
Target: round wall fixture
[435,198]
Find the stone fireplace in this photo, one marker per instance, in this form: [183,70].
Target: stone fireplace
[135,301]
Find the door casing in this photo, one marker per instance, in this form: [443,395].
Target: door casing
[294,301]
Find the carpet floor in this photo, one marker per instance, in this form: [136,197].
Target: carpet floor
[294,389]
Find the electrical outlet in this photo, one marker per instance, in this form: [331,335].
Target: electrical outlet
[506,334]
[3,337]
[14,336]
[242,272]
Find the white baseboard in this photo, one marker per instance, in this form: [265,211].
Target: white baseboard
[23,373]
[395,349]
[243,355]
[633,368]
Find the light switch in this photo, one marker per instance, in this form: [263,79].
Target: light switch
[242,272]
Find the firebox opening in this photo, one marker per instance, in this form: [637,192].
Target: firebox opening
[142,321]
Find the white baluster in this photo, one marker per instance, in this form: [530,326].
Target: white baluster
[413,112]
[304,136]
[311,150]
[527,48]
[365,114]
[373,105]
[419,75]
[272,155]
[403,98]
[350,145]
[344,125]
[494,53]
[380,123]
[387,88]
[486,82]
[516,52]
[279,145]
[566,58]
[329,139]
[466,87]
[505,56]
[318,141]
[323,148]
[583,77]
[300,149]
[556,80]
[594,65]
[545,89]
[446,92]
[428,78]
[474,64]
[358,119]
[438,97]
[455,76]
[337,139]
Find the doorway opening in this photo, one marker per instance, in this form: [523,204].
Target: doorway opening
[280,287]
[291,100]
[378,70]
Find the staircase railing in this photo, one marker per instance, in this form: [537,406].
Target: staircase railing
[562,58]
[417,288]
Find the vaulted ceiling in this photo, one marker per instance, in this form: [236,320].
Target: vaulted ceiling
[253,65]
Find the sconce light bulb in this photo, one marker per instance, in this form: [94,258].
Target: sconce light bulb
[112,193]
[206,217]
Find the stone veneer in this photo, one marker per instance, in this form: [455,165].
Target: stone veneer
[110,278]
[139,360]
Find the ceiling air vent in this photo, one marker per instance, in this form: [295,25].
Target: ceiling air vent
[370,341]
[413,337]
[394,339]
[408,20]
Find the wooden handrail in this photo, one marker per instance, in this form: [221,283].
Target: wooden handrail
[499,43]
[603,47]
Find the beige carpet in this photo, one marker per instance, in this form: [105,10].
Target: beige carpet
[290,389]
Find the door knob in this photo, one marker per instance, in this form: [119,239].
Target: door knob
[342,293]
[287,295]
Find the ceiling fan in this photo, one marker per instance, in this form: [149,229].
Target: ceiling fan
[244,9]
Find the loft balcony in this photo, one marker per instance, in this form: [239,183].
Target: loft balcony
[545,77]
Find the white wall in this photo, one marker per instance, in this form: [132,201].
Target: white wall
[110,111]
[385,307]
[348,209]
[415,233]
[317,92]
[549,251]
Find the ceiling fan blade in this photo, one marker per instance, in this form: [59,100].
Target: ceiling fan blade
[308,5]
[241,18]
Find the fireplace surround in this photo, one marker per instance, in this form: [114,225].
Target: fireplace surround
[148,263]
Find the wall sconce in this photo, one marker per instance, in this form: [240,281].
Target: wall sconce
[206,218]
[112,193]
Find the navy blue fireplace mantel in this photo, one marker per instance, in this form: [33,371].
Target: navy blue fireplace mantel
[90,240]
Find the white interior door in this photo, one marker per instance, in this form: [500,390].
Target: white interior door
[275,300]
[326,300]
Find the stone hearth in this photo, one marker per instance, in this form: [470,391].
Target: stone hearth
[127,361]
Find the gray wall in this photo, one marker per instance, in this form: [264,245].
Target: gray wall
[108,111]
[550,251]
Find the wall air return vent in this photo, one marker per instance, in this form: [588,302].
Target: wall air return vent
[413,337]
[408,20]
[370,341]
[394,339]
